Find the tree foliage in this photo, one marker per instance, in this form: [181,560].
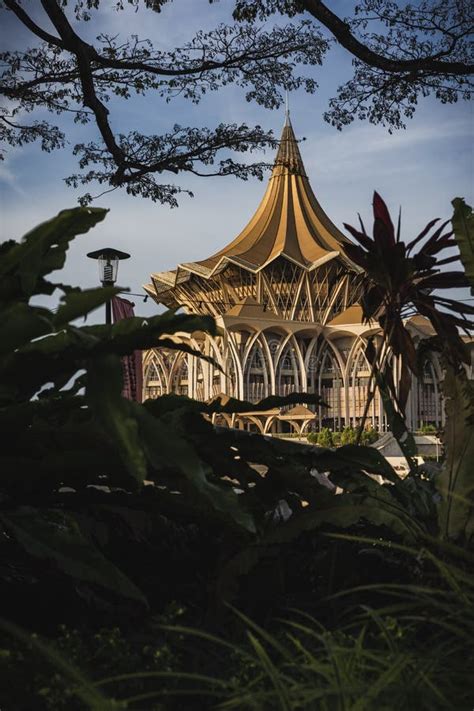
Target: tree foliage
[65,73]
[401,52]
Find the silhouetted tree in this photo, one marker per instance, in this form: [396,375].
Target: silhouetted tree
[413,51]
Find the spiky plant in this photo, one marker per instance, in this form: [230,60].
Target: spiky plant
[400,278]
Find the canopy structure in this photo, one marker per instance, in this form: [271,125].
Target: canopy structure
[286,304]
[289,259]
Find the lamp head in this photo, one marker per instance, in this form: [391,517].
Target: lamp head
[108,259]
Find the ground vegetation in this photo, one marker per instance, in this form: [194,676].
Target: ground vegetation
[144,555]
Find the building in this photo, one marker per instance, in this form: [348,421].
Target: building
[284,297]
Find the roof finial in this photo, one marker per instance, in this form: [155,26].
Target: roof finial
[287,108]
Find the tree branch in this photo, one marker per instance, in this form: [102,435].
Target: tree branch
[73,43]
[342,32]
[32,26]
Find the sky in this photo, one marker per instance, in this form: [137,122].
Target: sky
[421,168]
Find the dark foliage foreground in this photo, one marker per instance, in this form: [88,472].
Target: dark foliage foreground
[379,574]
[379,646]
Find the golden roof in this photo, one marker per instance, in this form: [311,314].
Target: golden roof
[289,222]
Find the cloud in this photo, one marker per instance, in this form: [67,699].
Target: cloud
[363,145]
[9,178]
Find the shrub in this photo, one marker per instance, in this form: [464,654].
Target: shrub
[369,436]
[325,438]
[411,647]
[348,435]
[428,429]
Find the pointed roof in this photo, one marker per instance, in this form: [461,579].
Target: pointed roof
[289,221]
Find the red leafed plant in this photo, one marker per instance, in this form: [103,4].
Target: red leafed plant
[398,280]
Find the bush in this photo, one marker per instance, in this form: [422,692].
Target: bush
[427,429]
[348,435]
[369,436]
[409,646]
[325,438]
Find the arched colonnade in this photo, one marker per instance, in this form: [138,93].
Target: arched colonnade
[268,361]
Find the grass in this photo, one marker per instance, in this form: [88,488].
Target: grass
[412,648]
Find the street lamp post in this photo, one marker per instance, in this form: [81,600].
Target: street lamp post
[108,259]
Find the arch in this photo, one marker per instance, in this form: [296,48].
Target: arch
[237,386]
[288,368]
[270,421]
[155,376]
[325,378]
[258,371]
[292,425]
[222,419]
[358,380]
[428,396]
[244,421]
[216,378]
[179,375]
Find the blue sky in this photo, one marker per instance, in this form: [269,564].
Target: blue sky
[421,168]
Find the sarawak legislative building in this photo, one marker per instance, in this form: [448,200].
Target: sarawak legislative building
[285,300]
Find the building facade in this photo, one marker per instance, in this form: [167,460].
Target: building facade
[285,299]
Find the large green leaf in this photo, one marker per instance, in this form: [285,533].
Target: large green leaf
[456,482]
[341,511]
[367,459]
[80,303]
[121,338]
[104,393]
[231,405]
[43,249]
[396,422]
[22,323]
[463,226]
[166,446]
[344,511]
[55,535]
[57,357]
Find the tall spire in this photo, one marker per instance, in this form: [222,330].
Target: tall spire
[288,159]
[289,222]
[287,109]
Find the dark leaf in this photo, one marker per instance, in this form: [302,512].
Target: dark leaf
[55,535]
[382,218]
[43,250]
[362,238]
[356,254]
[79,303]
[456,482]
[104,394]
[22,323]
[444,280]
[423,233]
